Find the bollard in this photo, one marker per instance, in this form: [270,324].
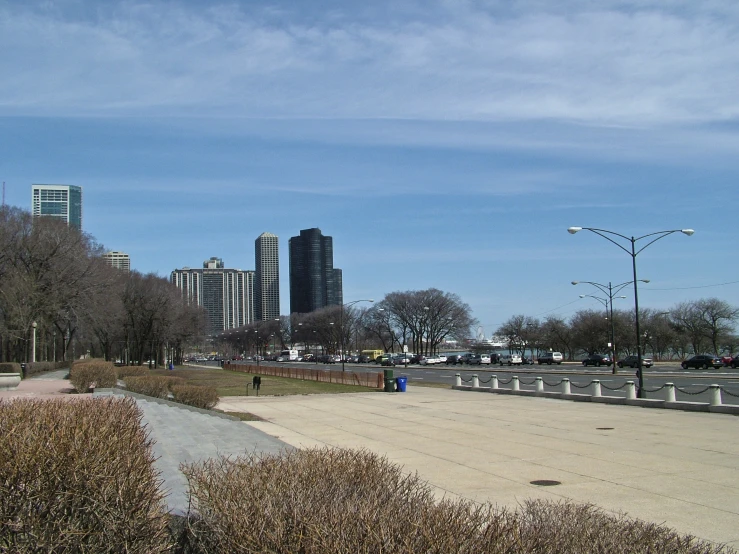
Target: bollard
[566,386]
[458,380]
[493,381]
[475,382]
[715,395]
[630,390]
[596,387]
[539,384]
[514,383]
[670,392]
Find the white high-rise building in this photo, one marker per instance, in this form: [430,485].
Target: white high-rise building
[118,260]
[62,201]
[226,294]
[267,282]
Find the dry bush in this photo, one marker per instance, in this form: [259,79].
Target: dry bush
[329,501]
[561,527]
[193,395]
[41,367]
[88,374]
[156,386]
[132,371]
[80,478]
[10,367]
[332,501]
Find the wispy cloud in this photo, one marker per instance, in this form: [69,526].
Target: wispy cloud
[632,63]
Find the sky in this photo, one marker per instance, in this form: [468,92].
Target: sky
[443,143]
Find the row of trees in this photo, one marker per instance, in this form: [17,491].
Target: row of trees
[54,276]
[421,320]
[694,327]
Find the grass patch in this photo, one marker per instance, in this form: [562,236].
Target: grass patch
[233,383]
[243,416]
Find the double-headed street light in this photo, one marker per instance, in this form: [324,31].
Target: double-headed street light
[633,252]
[341,327]
[609,290]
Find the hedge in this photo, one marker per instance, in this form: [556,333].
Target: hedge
[87,374]
[80,478]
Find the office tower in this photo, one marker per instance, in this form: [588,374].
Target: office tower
[314,283]
[118,260]
[62,201]
[226,294]
[267,285]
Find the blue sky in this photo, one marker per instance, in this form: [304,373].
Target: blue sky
[443,144]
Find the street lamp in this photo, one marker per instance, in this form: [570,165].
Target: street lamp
[633,253]
[33,343]
[611,291]
[341,327]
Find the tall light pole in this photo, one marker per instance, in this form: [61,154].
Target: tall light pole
[341,327]
[633,252]
[33,343]
[611,291]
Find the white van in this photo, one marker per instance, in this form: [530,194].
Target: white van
[288,356]
[510,359]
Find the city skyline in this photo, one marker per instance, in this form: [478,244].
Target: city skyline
[445,145]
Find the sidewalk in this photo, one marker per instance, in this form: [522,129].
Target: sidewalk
[665,466]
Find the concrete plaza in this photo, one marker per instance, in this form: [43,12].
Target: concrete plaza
[666,466]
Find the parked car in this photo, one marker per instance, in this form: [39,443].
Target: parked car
[525,360]
[510,359]
[308,358]
[464,359]
[702,361]
[442,359]
[597,360]
[550,358]
[402,359]
[453,359]
[479,359]
[632,361]
[364,359]
[429,360]
[726,359]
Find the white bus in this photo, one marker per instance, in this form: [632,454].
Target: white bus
[288,356]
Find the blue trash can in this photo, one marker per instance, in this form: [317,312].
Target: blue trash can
[171,366]
[402,383]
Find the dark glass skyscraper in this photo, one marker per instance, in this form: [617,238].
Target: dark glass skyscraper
[314,283]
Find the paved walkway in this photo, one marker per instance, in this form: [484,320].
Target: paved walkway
[180,435]
[666,466]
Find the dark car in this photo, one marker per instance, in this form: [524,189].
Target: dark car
[632,361]
[703,361]
[454,359]
[735,362]
[363,359]
[597,360]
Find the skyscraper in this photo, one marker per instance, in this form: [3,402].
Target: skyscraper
[62,201]
[267,283]
[118,260]
[226,294]
[314,282]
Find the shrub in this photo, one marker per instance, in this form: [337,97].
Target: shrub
[152,385]
[132,371]
[338,501]
[80,478]
[88,374]
[200,397]
[10,367]
[41,367]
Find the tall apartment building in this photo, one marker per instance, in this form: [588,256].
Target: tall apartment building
[267,285]
[118,260]
[62,201]
[226,294]
[314,282]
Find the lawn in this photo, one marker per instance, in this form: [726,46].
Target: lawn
[233,383]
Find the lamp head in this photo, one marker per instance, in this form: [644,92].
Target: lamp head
[644,280]
[688,232]
[575,282]
[573,230]
[582,296]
